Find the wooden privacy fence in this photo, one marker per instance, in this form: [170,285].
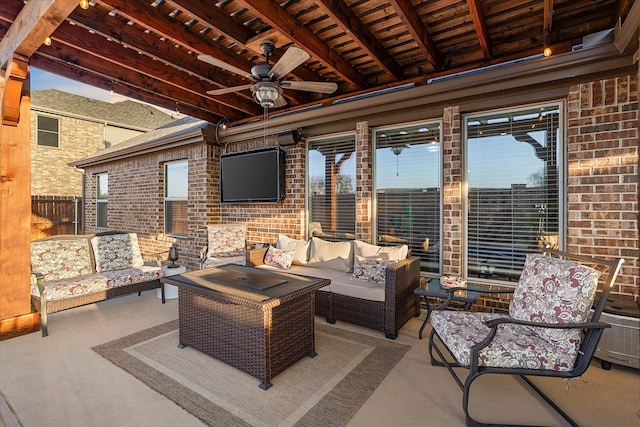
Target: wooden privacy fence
[54,215]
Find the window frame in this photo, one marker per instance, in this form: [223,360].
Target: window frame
[561,167]
[47,131]
[440,180]
[166,199]
[102,203]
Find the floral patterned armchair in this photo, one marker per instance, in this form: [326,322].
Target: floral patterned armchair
[226,244]
[552,328]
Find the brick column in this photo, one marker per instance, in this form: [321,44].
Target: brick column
[452,191]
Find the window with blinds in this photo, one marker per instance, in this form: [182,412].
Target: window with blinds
[102,196]
[513,200]
[176,187]
[331,178]
[407,184]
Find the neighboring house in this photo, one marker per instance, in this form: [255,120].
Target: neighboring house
[485,181]
[67,127]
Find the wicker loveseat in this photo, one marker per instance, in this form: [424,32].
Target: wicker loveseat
[370,286]
[73,270]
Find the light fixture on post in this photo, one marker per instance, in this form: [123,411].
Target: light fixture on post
[266,93]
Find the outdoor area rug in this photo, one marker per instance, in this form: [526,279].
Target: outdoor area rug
[325,390]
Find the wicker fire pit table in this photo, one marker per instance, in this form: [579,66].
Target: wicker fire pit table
[258,321]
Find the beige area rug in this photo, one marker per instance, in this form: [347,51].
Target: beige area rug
[325,390]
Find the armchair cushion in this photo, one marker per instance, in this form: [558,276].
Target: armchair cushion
[553,290]
[227,240]
[61,258]
[514,346]
[116,252]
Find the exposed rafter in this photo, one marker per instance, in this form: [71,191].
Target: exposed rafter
[278,18]
[420,35]
[480,25]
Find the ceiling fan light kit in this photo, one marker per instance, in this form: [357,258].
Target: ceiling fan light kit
[267,89]
[266,93]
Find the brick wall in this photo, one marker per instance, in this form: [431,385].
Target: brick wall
[602,157]
[50,173]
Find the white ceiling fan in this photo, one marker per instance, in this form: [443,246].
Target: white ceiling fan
[267,89]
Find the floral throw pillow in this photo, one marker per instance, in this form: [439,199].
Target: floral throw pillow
[278,257]
[370,269]
[552,290]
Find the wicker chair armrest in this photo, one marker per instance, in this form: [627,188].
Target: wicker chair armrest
[255,257]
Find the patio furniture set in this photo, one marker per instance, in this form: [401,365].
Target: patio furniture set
[254,309]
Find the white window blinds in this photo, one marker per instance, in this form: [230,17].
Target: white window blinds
[513,200]
[407,186]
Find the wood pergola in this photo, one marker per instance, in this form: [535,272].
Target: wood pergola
[148,50]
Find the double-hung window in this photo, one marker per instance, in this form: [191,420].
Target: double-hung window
[102,195]
[48,131]
[331,180]
[407,183]
[513,187]
[176,187]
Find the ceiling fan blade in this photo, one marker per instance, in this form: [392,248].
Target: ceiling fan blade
[293,57]
[322,87]
[224,90]
[280,102]
[221,64]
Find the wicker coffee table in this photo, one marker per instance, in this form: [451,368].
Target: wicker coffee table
[258,321]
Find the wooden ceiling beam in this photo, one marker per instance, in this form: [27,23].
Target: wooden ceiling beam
[407,13]
[151,45]
[154,19]
[273,14]
[212,16]
[69,71]
[134,79]
[548,22]
[480,26]
[141,13]
[35,21]
[94,45]
[207,13]
[352,25]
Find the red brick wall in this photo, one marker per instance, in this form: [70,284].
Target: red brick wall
[602,158]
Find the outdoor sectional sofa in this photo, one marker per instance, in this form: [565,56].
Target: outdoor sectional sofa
[371,286]
[73,270]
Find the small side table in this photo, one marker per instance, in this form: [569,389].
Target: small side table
[431,288]
[170,291]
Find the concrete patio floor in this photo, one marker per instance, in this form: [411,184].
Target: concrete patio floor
[61,381]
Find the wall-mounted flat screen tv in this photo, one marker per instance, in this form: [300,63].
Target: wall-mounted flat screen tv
[253,176]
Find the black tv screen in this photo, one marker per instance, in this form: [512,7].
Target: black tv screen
[253,176]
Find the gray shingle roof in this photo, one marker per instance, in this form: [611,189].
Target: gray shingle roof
[125,113]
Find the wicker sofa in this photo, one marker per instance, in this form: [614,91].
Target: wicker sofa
[73,270]
[371,286]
